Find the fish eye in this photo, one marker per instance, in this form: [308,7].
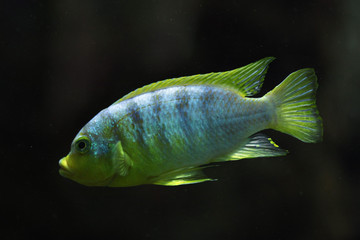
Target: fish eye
[82,145]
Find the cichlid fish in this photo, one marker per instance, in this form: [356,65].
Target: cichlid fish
[164,133]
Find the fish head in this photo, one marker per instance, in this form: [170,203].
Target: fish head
[89,161]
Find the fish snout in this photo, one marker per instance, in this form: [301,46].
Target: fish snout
[64,168]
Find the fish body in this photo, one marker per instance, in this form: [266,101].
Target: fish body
[165,132]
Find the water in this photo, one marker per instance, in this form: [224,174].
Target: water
[66,60]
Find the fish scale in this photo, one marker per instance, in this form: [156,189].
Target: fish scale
[212,118]
[166,132]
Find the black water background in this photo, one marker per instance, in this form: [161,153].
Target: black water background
[64,61]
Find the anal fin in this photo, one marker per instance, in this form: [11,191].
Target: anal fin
[182,176]
[258,145]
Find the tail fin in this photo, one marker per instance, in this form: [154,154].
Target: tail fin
[296,112]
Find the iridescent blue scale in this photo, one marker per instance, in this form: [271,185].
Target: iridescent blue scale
[187,125]
[164,132]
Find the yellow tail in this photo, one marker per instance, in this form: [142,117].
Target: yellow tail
[295,104]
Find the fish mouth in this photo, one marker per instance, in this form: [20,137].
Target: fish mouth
[64,168]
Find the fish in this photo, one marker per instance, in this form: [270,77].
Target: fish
[167,132]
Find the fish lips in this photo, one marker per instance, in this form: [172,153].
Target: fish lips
[64,168]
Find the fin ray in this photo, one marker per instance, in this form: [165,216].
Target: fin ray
[258,145]
[182,176]
[121,160]
[246,80]
[295,104]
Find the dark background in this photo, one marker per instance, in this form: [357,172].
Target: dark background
[64,61]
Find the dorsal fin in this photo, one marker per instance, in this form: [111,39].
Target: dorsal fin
[246,80]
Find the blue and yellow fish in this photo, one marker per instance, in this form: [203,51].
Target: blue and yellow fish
[164,133]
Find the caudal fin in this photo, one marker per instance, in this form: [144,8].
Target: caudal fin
[295,104]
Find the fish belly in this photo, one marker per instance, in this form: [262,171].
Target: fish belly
[186,126]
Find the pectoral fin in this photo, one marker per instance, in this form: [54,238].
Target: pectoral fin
[121,160]
[182,176]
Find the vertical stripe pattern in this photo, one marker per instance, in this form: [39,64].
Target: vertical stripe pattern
[186,125]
